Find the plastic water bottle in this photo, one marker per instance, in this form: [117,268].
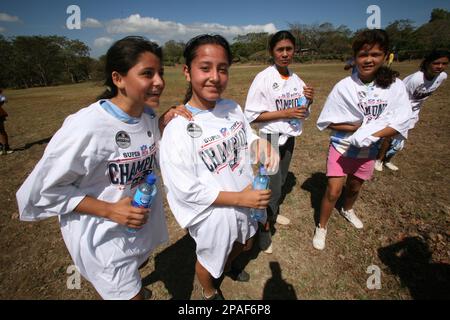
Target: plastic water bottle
[301,102]
[261,182]
[144,195]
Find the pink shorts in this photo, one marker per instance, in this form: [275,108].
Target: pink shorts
[339,166]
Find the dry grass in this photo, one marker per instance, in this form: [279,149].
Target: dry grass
[406,213]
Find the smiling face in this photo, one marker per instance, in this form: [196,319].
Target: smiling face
[437,66]
[283,53]
[143,84]
[368,60]
[208,75]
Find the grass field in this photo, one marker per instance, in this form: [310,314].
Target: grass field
[406,214]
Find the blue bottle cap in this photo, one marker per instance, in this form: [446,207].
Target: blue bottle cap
[151,178]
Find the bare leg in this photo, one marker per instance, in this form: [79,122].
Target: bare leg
[205,279]
[332,194]
[384,148]
[236,251]
[3,134]
[352,189]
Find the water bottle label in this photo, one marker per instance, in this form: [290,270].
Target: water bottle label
[260,183]
[301,101]
[257,215]
[141,199]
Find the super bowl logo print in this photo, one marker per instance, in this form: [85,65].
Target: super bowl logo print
[194,130]
[224,132]
[123,140]
[275,86]
[144,150]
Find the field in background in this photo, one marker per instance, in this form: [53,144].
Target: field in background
[406,214]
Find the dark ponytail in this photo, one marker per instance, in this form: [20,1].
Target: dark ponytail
[188,94]
[190,52]
[385,76]
[122,56]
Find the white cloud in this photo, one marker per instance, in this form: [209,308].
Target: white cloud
[167,30]
[103,42]
[4,17]
[91,23]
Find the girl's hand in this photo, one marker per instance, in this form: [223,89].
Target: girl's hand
[125,214]
[258,199]
[309,93]
[299,113]
[267,155]
[176,111]
[173,112]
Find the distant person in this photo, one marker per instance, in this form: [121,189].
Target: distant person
[4,145]
[420,86]
[93,164]
[206,167]
[357,121]
[272,104]
[350,64]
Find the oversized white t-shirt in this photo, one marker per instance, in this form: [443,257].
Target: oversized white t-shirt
[95,154]
[199,159]
[270,92]
[420,89]
[351,101]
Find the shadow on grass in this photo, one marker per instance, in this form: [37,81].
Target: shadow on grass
[317,185]
[276,288]
[410,260]
[29,145]
[175,267]
[288,186]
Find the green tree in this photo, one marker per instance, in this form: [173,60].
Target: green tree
[434,34]
[401,34]
[246,45]
[173,52]
[6,63]
[323,39]
[38,60]
[439,14]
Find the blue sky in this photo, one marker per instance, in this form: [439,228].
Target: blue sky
[106,21]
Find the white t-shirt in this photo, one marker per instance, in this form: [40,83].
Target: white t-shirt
[420,89]
[199,159]
[95,154]
[271,92]
[351,101]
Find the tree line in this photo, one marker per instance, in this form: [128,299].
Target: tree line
[29,61]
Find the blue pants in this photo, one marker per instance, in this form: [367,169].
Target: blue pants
[396,145]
